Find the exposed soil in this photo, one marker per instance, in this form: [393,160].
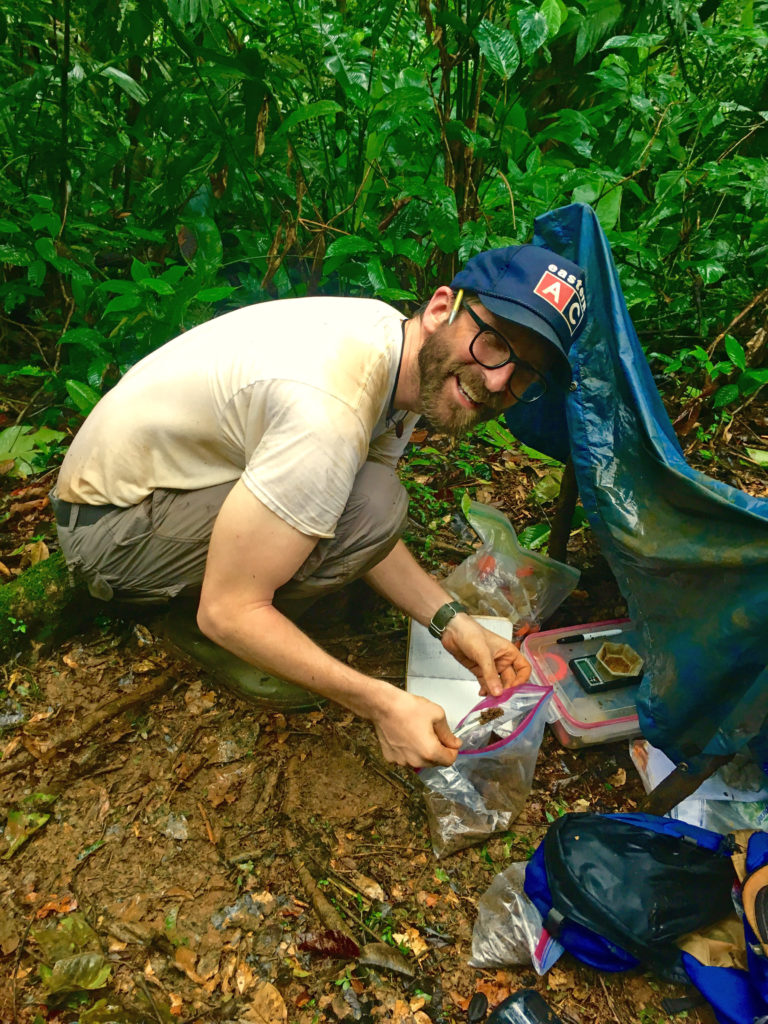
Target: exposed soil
[202,847]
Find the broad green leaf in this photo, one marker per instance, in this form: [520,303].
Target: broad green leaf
[752,380]
[555,13]
[348,245]
[44,247]
[14,257]
[641,40]
[36,273]
[534,30]
[215,294]
[63,937]
[533,537]
[497,434]
[85,971]
[735,352]
[499,47]
[20,826]
[9,227]
[473,238]
[156,285]
[548,487]
[129,85]
[758,455]
[50,222]
[122,303]
[83,395]
[725,395]
[139,271]
[89,338]
[711,271]
[320,108]
[608,209]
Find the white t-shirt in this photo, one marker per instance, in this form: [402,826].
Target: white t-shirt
[291,396]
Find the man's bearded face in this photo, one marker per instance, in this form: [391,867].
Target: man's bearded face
[453,393]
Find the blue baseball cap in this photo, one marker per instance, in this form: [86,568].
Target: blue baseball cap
[531,286]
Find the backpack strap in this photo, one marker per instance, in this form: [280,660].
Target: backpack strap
[553,922]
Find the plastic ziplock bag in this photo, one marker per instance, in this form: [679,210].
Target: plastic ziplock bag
[505,579]
[486,787]
[509,928]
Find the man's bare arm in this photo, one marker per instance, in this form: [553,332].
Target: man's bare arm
[252,553]
[497,663]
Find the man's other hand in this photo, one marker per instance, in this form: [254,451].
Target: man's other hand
[497,663]
[413,731]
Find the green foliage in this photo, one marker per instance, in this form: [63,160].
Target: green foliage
[163,163]
[24,450]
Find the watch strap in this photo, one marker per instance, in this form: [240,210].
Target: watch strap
[443,616]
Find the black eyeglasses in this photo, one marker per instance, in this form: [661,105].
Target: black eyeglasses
[491,349]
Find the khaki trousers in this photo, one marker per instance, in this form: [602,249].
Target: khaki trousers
[154,551]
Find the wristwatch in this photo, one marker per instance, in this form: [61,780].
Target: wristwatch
[443,616]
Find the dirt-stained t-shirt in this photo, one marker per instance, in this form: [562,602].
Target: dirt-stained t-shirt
[292,396]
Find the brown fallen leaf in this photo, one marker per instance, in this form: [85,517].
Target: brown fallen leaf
[266,1006]
[367,886]
[379,954]
[35,553]
[198,702]
[185,959]
[57,905]
[411,938]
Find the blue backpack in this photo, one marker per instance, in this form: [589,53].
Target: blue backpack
[617,890]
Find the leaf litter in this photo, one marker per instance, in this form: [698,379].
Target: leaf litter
[203,860]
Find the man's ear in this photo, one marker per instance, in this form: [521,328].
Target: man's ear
[438,309]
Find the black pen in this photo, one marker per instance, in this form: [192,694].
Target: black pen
[575,638]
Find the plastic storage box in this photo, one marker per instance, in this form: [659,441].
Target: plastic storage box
[583,718]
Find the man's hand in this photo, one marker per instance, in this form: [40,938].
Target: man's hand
[413,731]
[497,663]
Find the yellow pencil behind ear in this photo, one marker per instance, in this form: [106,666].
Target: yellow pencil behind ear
[456,305]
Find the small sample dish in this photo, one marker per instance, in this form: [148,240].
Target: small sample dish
[619,660]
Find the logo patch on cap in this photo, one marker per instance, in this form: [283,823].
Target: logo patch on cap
[565,292]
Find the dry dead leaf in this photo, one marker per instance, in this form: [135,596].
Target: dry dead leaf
[197,701]
[411,938]
[5,571]
[367,886]
[144,666]
[37,552]
[266,1006]
[618,778]
[70,662]
[186,961]
[559,980]
[244,978]
[580,806]
[176,1004]
[57,905]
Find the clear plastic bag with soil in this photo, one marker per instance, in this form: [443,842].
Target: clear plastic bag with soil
[486,787]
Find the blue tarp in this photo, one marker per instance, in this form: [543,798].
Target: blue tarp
[690,554]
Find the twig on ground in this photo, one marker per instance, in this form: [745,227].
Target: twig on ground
[328,915]
[608,999]
[206,822]
[140,983]
[737,319]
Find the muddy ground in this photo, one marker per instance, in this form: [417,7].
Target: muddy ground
[201,858]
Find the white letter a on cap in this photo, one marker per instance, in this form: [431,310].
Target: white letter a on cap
[554,291]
